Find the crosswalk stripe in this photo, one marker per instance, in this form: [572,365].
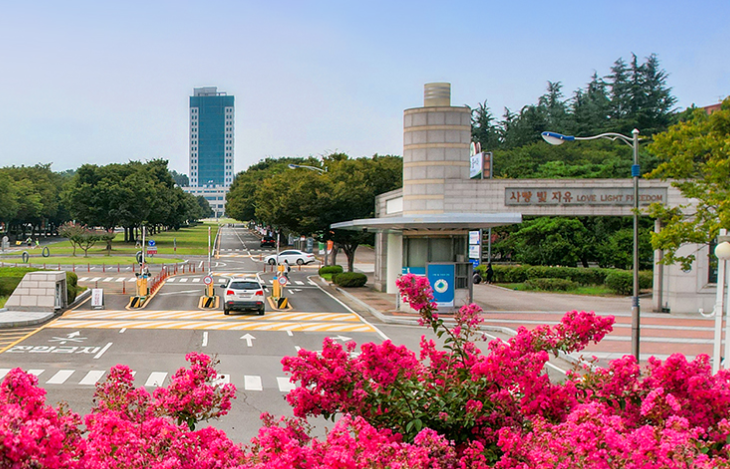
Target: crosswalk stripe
[196,280]
[92,377]
[298,282]
[60,377]
[183,280]
[171,279]
[156,379]
[252,383]
[95,279]
[284,384]
[83,279]
[109,279]
[222,379]
[121,279]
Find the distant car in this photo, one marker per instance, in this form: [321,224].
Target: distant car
[292,256]
[246,294]
[268,241]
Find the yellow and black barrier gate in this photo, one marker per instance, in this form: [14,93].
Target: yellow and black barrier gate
[209,300]
[142,292]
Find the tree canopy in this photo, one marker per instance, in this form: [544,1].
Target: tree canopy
[695,153]
[307,202]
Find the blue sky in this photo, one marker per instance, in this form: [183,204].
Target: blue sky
[103,82]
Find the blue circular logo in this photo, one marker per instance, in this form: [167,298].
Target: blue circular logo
[441,285]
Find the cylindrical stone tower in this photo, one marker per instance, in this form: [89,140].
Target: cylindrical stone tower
[436,140]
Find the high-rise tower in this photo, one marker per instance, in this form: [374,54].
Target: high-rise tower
[211,138]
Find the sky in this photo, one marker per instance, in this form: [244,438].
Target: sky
[108,82]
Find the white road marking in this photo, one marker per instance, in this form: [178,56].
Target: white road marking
[106,347]
[3,372]
[196,280]
[121,331]
[60,377]
[284,384]
[252,383]
[92,377]
[205,339]
[156,379]
[183,280]
[289,333]
[37,373]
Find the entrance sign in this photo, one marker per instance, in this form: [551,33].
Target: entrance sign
[581,196]
[207,280]
[441,278]
[97,298]
[282,280]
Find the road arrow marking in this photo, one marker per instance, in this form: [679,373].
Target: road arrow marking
[339,337]
[248,338]
[74,334]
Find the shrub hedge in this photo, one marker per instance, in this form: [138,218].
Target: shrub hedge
[578,275]
[350,279]
[330,269]
[622,281]
[550,284]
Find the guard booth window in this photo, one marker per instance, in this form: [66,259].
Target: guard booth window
[417,252]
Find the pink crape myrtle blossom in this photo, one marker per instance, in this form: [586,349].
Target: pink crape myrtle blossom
[449,406]
[33,434]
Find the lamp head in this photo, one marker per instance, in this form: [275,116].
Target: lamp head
[722,251]
[554,138]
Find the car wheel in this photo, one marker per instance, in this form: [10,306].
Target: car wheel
[261,311]
[300,261]
[226,311]
[272,261]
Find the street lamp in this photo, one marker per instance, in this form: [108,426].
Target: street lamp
[313,168]
[557,139]
[722,251]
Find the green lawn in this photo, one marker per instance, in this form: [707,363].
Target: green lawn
[53,261]
[184,242]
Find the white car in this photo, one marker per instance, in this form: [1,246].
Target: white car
[292,256]
[243,294]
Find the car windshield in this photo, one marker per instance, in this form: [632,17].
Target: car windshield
[245,285]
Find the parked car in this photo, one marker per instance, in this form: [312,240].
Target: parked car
[244,294]
[292,256]
[268,241]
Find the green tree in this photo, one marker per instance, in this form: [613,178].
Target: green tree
[308,202]
[695,154]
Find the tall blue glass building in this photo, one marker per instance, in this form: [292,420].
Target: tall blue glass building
[211,138]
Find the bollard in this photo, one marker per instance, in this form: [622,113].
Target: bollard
[44,266]
[59,266]
[96,284]
[88,267]
[103,267]
[118,268]
[124,287]
[73,268]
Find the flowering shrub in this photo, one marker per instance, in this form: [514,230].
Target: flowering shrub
[446,407]
[127,427]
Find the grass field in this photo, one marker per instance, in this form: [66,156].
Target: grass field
[184,242]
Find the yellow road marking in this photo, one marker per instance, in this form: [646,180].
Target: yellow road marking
[216,325]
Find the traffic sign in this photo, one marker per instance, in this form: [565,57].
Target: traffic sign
[151,242]
[282,280]
[208,280]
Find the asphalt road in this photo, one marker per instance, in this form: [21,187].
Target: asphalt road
[72,353]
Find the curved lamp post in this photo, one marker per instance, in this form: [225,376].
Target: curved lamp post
[313,168]
[557,139]
[722,251]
